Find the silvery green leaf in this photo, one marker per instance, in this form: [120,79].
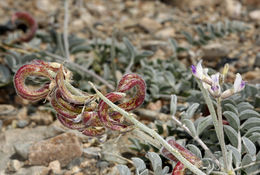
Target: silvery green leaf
[231,107]
[145,172]
[248,114]
[249,146]
[5,75]
[173,105]
[170,78]
[165,170]
[191,110]
[207,162]
[188,36]
[156,162]
[139,164]
[200,32]
[232,119]
[247,159]
[190,126]
[229,101]
[203,124]
[10,61]
[80,48]
[123,170]
[145,53]
[236,154]
[195,150]
[231,134]
[253,130]
[243,106]
[258,156]
[174,44]
[255,135]
[129,46]
[250,123]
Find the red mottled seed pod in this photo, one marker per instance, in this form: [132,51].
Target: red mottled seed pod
[184,152]
[29,21]
[179,169]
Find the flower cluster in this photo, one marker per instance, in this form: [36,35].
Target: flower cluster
[212,83]
[77,109]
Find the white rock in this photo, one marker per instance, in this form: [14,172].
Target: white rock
[255,15]
[55,167]
[14,165]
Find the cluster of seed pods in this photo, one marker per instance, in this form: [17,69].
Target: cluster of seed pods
[77,109]
[179,168]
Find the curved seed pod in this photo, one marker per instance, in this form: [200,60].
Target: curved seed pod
[70,114]
[179,169]
[70,123]
[29,70]
[128,82]
[66,93]
[73,107]
[103,113]
[29,21]
[93,130]
[184,152]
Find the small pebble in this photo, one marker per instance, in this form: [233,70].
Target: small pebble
[22,123]
[14,165]
[55,167]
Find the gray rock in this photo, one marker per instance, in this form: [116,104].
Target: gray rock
[14,165]
[1,124]
[22,149]
[215,50]
[34,170]
[64,148]
[149,24]
[22,123]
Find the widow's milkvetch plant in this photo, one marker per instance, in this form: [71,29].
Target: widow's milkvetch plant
[84,112]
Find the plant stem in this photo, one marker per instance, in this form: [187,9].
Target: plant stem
[210,107]
[65,29]
[151,132]
[221,134]
[197,139]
